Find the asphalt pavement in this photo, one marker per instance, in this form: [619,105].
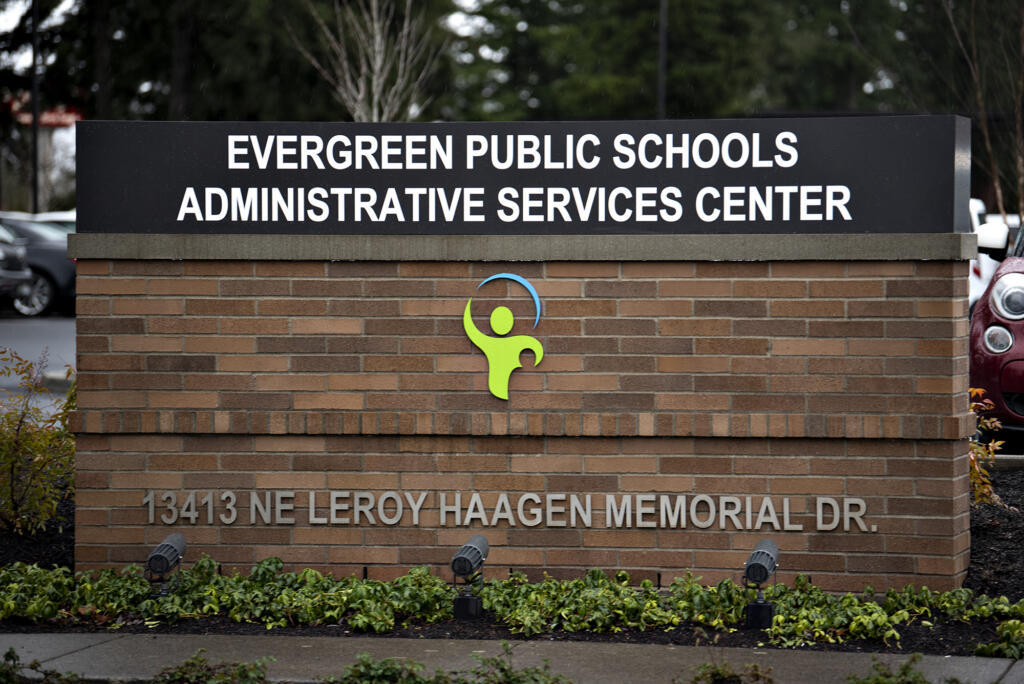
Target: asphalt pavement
[31,338]
[117,657]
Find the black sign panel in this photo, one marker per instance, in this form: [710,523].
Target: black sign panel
[898,174]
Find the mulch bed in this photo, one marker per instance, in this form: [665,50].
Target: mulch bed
[997,559]
[997,541]
[54,546]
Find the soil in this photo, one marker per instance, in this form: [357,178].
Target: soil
[53,546]
[997,554]
[997,540]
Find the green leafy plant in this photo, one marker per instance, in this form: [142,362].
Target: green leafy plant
[595,603]
[1010,643]
[198,670]
[720,607]
[36,448]
[499,670]
[491,670]
[807,614]
[366,670]
[722,673]
[11,670]
[906,673]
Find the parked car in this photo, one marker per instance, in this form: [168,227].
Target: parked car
[997,328]
[53,273]
[15,274]
[983,266]
[64,220]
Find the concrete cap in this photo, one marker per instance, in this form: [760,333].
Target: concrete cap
[860,247]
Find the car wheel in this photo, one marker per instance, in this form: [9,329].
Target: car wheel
[40,297]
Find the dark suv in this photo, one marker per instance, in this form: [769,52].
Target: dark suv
[53,273]
[15,275]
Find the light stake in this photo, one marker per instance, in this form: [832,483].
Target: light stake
[762,564]
[162,561]
[467,564]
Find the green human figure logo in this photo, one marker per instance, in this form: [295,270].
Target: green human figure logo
[502,352]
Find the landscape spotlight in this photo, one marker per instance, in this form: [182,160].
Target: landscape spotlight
[164,559]
[762,564]
[470,558]
[467,563]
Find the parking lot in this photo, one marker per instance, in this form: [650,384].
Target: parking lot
[32,337]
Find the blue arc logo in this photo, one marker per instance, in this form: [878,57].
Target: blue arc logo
[522,281]
[502,351]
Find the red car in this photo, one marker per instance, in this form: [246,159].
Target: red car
[997,330]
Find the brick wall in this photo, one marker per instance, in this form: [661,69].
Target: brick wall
[779,349]
[785,379]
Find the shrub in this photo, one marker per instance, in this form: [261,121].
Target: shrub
[722,673]
[1010,643]
[982,452]
[198,670]
[904,674]
[12,670]
[499,670]
[36,449]
[594,603]
[366,670]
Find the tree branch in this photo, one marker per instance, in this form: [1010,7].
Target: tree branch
[377,62]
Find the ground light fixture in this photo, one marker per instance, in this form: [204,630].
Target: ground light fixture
[762,564]
[163,560]
[468,563]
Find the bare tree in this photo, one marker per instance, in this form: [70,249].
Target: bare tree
[376,62]
[969,52]
[987,39]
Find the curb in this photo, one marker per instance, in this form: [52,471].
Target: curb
[1009,462]
[56,381]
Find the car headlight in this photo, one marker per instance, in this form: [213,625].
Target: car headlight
[1008,296]
[998,339]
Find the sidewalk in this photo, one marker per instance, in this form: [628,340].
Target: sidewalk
[133,657]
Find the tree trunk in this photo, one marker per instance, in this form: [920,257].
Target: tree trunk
[181,60]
